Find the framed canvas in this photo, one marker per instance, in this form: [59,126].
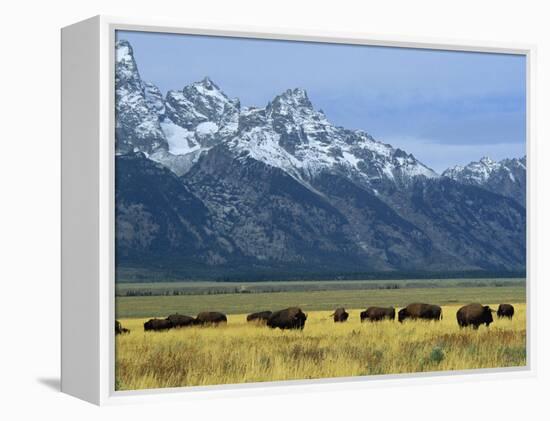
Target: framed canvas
[246,209]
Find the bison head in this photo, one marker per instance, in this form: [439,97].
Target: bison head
[487,315]
[302,317]
[402,315]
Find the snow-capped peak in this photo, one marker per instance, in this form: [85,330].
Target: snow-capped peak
[207,88]
[479,172]
[293,98]
[208,84]
[200,102]
[507,177]
[137,106]
[123,51]
[288,133]
[126,67]
[293,104]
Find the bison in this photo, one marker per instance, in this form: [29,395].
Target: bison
[505,310]
[375,314]
[340,315]
[210,318]
[419,311]
[119,329]
[289,318]
[180,320]
[260,317]
[474,315]
[157,324]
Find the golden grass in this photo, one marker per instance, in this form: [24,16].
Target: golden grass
[242,352]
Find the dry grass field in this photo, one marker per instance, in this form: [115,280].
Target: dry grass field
[242,352]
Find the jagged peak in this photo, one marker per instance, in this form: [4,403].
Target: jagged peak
[123,43]
[124,50]
[208,83]
[481,170]
[296,98]
[454,168]
[296,93]
[486,160]
[205,88]
[294,135]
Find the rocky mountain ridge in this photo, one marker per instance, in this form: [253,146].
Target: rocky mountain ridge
[288,133]
[206,187]
[507,177]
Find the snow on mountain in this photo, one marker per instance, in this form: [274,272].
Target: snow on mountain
[203,104]
[475,172]
[479,172]
[145,123]
[180,140]
[506,177]
[137,118]
[288,133]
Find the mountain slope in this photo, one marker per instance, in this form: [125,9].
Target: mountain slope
[270,216]
[162,227]
[474,228]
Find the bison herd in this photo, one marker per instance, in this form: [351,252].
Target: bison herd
[473,315]
[469,315]
[210,318]
[289,318]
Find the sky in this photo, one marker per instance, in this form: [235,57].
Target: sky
[444,107]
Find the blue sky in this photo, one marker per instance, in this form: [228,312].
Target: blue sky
[445,107]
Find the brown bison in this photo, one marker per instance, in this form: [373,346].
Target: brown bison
[119,329]
[474,315]
[260,317]
[340,315]
[419,311]
[180,320]
[157,324]
[505,310]
[210,318]
[289,318]
[376,314]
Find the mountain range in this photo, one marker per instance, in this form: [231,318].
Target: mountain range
[208,189]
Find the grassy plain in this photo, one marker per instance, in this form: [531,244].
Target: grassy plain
[235,303]
[211,287]
[242,352]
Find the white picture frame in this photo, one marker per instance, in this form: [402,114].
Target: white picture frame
[88,210]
